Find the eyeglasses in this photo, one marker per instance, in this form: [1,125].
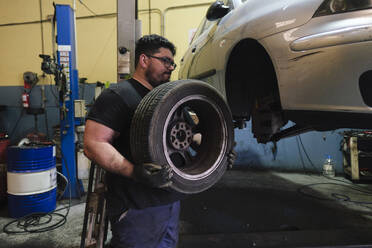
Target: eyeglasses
[166,61]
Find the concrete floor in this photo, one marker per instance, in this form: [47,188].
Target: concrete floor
[248,209]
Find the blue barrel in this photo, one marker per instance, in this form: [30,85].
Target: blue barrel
[31,180]
[31,159]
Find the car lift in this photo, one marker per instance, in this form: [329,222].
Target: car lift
[66,55]
[72,110]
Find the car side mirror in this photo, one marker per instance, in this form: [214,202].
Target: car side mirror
[217,10]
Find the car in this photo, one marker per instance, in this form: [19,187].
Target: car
[275,61]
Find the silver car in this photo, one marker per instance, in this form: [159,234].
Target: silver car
[307,61]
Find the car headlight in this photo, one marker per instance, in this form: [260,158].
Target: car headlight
[330,7]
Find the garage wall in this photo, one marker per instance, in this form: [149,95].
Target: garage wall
[20,45]
[302,153]
[17,123]
[180,18]
[20,42]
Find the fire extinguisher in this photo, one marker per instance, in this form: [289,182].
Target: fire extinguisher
[25,99]
[29,79]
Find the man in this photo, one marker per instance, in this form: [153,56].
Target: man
[143,212]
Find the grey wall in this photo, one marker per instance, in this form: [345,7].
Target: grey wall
[290,154]
[17,123]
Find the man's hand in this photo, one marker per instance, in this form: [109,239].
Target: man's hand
[153,175]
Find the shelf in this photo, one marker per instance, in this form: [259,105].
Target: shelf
[357,164]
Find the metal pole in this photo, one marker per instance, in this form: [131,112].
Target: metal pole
[126,28]
[67,57]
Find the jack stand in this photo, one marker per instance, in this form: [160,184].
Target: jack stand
[95,220]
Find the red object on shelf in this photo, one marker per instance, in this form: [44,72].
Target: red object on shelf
[4,143]
[27,85]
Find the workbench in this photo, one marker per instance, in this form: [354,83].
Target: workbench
[357,154]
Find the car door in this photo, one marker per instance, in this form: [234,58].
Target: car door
[203,61]
[189,54]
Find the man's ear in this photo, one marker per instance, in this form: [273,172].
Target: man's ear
[143,61]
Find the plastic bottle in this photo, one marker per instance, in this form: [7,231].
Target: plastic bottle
[329,167]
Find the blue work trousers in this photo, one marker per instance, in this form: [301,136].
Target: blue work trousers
[154,227]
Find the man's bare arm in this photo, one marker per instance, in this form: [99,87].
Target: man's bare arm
[98,148]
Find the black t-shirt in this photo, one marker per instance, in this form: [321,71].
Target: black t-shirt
[111,110]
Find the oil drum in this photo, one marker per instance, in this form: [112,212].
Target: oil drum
[31,180]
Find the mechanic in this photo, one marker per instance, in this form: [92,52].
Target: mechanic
[142,209]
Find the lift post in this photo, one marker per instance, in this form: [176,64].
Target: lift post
[66,57]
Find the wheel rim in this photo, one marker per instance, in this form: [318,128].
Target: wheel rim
[195,137]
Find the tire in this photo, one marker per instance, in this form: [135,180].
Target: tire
[188,125]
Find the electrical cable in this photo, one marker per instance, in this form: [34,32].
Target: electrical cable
[44,101]
[48,20]
[52,91]
[149,17]
[46,123]
[68,173]
[64,190]
[32,223]
[41,27]
[301,157]
[91,11]
[17,122]
[307,155]
[335,196]
[330,178]
[21,23]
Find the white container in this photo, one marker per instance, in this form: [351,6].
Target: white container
[329,167]
[83,165]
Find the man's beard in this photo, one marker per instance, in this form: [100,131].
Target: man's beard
[154,81]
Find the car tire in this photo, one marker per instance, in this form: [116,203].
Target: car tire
[188,125]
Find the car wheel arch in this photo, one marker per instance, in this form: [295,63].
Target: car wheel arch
[250,75]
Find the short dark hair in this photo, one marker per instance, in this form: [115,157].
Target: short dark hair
[150,44]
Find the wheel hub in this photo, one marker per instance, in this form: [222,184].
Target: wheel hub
[181,135]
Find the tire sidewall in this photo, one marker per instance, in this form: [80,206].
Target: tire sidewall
[181,90]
